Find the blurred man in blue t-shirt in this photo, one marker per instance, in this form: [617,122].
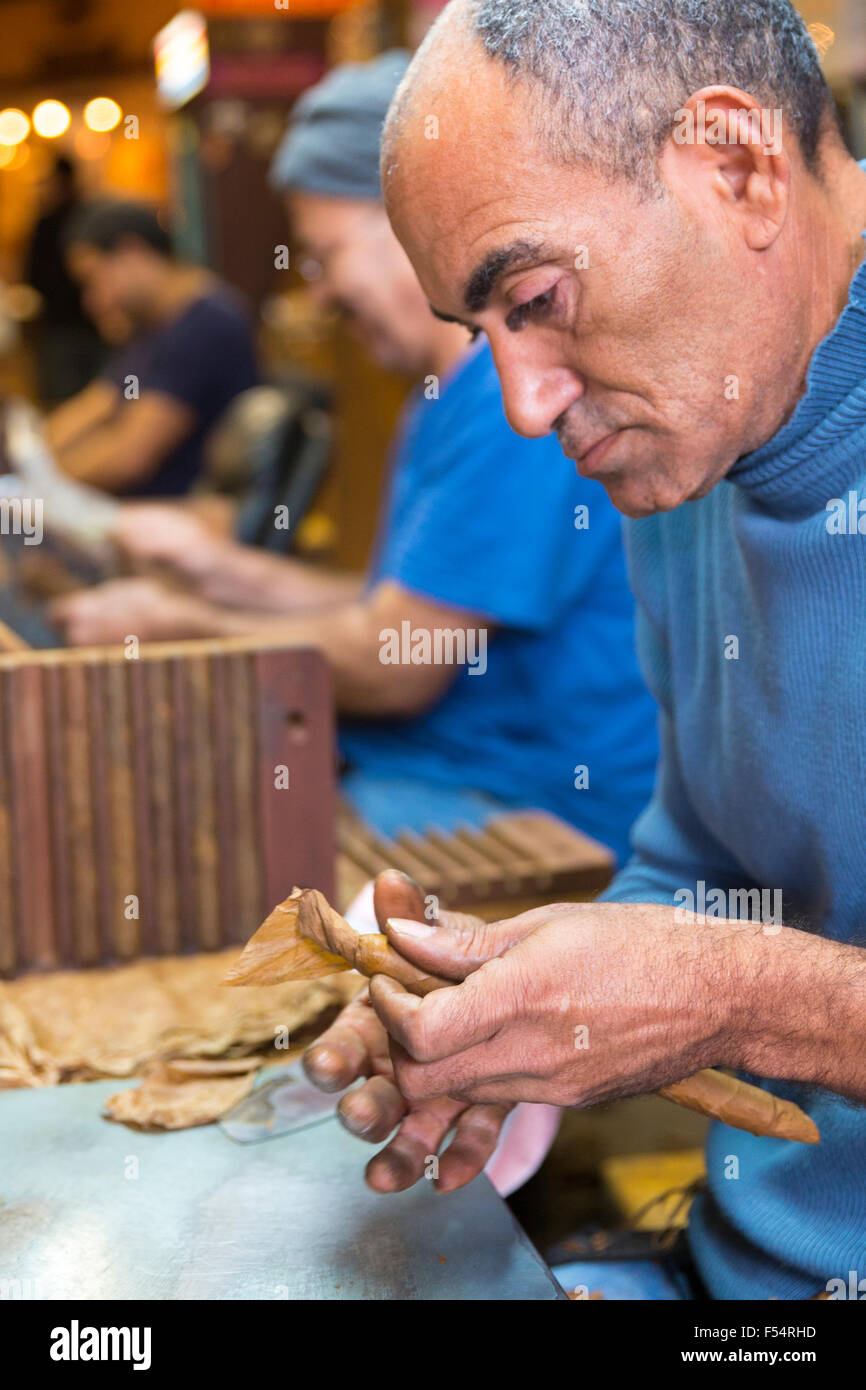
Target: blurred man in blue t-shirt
[487,659]
[550,711]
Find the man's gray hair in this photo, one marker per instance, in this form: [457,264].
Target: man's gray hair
[617,71]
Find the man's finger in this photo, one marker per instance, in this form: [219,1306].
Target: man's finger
[397,895]
[453,947]
[475,1139]
[354,1045]
[372,1111]
[443,1023]
[409,1155]
[457,944]
[503,1090]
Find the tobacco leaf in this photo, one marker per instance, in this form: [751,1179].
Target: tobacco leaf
[304,938]
[278,951]
[184,1093]
[83,1025]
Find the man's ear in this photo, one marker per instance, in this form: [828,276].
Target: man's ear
[724,145]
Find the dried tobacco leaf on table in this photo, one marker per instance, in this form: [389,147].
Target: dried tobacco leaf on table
[83,1025]
[183,1093]
[305,938]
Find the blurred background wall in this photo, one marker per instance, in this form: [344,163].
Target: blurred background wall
[201,145]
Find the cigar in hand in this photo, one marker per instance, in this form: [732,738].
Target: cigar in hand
[304,938]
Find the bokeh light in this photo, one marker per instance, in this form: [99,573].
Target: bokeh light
[50,119]
[91,144]
[20,156]
[14,126]
[102,113]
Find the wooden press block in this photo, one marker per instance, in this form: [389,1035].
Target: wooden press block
[515,862]
[141,805]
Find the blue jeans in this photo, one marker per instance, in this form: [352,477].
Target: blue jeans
[632,1280]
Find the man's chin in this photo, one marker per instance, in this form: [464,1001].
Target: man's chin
[632,496]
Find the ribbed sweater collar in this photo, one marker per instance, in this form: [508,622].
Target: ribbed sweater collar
[819,452]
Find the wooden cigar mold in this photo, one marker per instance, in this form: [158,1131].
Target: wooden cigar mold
[304,937]
[144,805]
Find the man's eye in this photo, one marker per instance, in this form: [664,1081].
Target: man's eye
[538,307]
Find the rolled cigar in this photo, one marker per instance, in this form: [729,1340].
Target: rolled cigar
[305,938]
[370,953]
[742,1105]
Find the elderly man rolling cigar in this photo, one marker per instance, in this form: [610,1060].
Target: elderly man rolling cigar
[648,208]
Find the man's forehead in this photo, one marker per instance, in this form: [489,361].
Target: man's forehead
[456,116]
[466,223]
[471,191]
[465,235]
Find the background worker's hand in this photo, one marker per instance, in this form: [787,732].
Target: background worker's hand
[357,1045]
[168,535]
[123,608]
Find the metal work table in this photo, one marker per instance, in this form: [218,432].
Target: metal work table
[93,1210]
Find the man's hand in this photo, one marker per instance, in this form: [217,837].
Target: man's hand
[357,1045]
[600,1000]
[160,533]
[222,570]
[124,608]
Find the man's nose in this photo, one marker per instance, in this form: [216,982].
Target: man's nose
[535,391]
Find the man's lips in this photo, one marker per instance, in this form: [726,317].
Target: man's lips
[589,460]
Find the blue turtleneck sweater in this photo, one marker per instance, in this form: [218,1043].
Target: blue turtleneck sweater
[762,780]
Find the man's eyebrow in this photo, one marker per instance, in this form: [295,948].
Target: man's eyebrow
[446,318]
[496,264]
[493,268]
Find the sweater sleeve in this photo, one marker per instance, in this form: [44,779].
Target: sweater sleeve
[673,849]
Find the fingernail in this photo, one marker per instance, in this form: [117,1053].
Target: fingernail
[358,1125]
[410,928]
[326,1069]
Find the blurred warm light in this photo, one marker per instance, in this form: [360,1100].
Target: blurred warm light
[102,114]
[822,37]
[23,302]
[7,154]
[50,119]
[20,156]
[14,126]
[91,144]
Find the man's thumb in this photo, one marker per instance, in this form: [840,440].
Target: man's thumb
[452,947]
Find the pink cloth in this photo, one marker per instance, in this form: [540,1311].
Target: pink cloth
[526,1139]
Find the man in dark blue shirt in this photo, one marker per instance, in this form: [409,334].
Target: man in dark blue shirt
[140,428]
